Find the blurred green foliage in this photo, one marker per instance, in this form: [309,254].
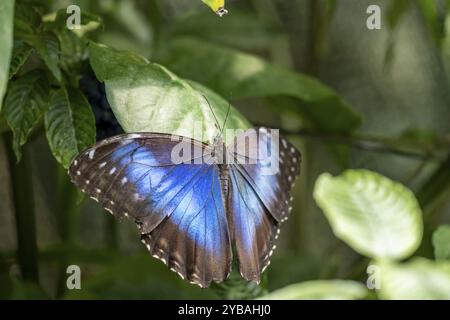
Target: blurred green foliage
[349,98]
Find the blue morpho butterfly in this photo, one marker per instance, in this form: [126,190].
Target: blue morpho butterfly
[191,211]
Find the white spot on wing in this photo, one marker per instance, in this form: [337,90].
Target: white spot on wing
[112,170]
[91,154]
[102,165]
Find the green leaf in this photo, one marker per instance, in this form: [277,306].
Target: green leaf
[243,30]
[70,125]
[239,75]
[420,279]
[47,47]
[27,21]
[320,290]
[28,27]
[72,42]
[25,104]
[146,97]
[374,215]
[21,53]
[441,243]
[6,41]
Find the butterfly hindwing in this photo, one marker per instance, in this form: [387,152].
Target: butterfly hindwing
[261,195]
[254,227]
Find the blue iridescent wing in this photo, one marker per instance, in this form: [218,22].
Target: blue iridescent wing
[178,207]
[260,197]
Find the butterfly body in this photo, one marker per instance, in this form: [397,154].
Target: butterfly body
[192,207]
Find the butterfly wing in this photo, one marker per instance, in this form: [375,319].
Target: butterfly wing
[260,196]
[178,207]
[270,166]
[201,253]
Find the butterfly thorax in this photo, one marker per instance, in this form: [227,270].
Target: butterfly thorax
[219,154]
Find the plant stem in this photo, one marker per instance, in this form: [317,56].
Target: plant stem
[366,143]
[23,199]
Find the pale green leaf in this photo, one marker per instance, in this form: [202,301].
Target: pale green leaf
[6,41]
[146,97]
[420,279]
[25,104]
[235,74]
[374,215]
[441,243]
[70,125]
[320,290]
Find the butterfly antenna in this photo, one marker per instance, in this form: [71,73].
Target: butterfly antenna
[212,111]
[226,118]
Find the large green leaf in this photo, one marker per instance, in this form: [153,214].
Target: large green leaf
[320,290]
[419,279]
[236,75]
[441,243]
[25,104]
[6,41]
[70,124]
[147,97]
[374,215]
